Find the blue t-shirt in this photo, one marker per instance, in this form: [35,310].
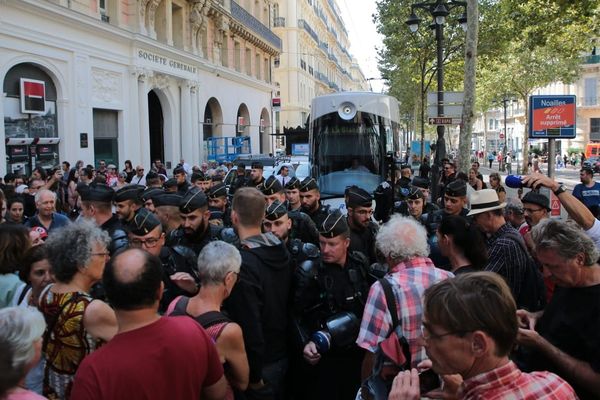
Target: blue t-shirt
[588,196]
[58,221]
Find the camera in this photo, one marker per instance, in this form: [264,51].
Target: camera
[340,330]
[428,381]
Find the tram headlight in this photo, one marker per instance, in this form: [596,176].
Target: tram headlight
[347,111]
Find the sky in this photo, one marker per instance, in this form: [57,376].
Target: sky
[364,39]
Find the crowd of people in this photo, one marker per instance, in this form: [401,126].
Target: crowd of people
[125,285]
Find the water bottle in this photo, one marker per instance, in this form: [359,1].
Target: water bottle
[514,181]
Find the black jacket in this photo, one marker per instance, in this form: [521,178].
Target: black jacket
[259,301]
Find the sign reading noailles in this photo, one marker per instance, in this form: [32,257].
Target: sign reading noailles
[165,61]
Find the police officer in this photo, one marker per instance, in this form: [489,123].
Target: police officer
[218,205]
[363,230]
[310,199]
[166,208]
[195,230]
[181,178]
[128,201]
[256,174]
[329,299]
[201,180]
[278,221]
[428,207]
[96,204]
[303,227]
[292,194]
[455,203]
[147,197]
[178,262]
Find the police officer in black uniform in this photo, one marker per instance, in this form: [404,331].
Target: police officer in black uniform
[363,230]
[292,194]
[329,299]
[256,175]
[195,230]
[278,221]
[423,185]
[303,227]
[310,198]
[96,204]
[178,262]
[128,201]
[218,205]
[455,203]
[181,180]
[147,197]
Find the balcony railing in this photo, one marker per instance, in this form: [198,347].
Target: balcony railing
[587,101]
[279,22]
[303,24]
[248,20]
[594,59]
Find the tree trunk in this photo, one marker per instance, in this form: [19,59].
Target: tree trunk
[468,114]
[525,150]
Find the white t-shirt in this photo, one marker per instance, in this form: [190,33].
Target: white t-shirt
[594,233]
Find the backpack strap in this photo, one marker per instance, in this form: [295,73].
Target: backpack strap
[390,299]
[211,318]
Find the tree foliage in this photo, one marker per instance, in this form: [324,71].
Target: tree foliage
[523,45]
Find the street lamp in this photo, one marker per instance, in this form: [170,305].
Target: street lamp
[505,100]
[439,10]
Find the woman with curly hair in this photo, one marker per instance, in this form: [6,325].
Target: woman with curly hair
[76,322]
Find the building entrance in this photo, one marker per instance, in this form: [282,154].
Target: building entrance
[156,125]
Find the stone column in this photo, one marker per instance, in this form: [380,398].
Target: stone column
[186,150]
[144,132]
[196,132]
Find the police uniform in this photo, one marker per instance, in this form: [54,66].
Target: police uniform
[324,295]
[362,239]
[299,251]
[129,192]
[249,182]
[457,188]
[150,193]
[114,227]
[303,227]
[183,187]
[174,259]
[420,183]
[293,183]
[319,215]
[217,216]
[193,200]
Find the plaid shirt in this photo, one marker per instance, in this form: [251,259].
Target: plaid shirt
[409,280]
[508,382]
[507,258]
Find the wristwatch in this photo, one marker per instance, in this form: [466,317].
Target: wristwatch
[561,189]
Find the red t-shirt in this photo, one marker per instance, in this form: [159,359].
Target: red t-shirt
[172,358]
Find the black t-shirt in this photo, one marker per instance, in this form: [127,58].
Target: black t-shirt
[571,322]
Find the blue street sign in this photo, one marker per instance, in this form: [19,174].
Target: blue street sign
[552,117]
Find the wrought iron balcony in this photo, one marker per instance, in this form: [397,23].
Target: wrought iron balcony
[248,20]
[279,22]
[303,24]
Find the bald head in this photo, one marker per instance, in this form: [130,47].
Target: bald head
[133,280]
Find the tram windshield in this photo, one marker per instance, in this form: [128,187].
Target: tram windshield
[349,152]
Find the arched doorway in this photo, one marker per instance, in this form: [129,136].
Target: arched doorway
[213,119]
[156,127]
[243,121]
[30,128]
[264,131]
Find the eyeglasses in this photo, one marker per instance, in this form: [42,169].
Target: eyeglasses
[140,170]
[531,210]
[104,254]
[427,335]
[148,243]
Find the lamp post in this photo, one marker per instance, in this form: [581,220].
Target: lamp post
[439,10]
[505,100]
